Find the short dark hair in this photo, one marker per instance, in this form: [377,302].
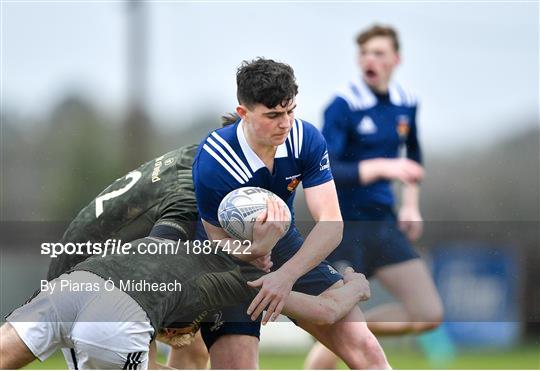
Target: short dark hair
[267,82]
[378,30]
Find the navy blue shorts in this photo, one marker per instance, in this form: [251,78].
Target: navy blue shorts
[373,242]
[236,321]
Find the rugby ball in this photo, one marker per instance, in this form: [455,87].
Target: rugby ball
[239,209]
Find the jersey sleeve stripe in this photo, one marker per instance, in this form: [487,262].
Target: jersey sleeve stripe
[300,135]
[229,160]
[223,163]
[233,153]
[295,139]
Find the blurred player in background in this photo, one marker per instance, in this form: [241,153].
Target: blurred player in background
[366,125]
[265,146]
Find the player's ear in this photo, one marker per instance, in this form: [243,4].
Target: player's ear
[242,111]
[397,60]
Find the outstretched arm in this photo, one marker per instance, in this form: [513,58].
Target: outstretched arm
[330,306]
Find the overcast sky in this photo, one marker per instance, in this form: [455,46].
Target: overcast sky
[474,65]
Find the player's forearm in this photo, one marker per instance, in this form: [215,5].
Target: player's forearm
[410,196]
[320,242]
[370,171]
[327,308]
[343,299]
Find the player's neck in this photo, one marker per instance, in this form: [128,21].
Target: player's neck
[264,151]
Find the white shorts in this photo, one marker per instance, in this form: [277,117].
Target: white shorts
[104,331]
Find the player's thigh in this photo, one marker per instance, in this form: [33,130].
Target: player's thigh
[351,340]
[411,283]
[38,323]
[235,352]
[232,338]
[13,351]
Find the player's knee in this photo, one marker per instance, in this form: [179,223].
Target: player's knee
[428,318]
[369,354]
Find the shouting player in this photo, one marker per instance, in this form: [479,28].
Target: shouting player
[96,310]
[268,148]
[366,125]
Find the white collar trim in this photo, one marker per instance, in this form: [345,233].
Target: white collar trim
[255,163]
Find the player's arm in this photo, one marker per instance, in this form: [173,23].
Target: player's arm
[334,130]
[268,228]
[330,306]
[410,218]
[266,233]
[323,204]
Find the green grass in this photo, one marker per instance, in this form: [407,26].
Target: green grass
[527,357]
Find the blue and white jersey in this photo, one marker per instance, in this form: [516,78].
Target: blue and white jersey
[361,125]
[225,162]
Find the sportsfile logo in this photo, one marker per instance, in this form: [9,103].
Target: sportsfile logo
[325,162]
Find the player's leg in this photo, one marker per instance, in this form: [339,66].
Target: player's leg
[34,330]
[194,356]
[13,351]
[351,340]
[419,307]
[232,339]
[111,331]
[237,352]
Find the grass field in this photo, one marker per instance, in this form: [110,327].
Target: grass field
[527,357]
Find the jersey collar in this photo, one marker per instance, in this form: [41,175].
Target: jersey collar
[255,163]
[362,90]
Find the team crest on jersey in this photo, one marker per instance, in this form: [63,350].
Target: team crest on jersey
[403,126]
[293,183]
[366,126]
[324,164]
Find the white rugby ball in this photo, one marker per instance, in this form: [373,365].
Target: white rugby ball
[239,209]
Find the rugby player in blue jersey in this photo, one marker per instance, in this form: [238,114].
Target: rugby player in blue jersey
[366,125]
[267,147]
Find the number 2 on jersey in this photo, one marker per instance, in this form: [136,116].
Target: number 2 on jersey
[134,176]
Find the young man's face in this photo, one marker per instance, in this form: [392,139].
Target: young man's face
[268,126]
[377,60]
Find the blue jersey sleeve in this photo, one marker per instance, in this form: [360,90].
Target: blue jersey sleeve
[210,186]
[316,162]
[335,131]
[414,152]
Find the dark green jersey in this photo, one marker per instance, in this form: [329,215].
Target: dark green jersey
[208,281]
[158,193]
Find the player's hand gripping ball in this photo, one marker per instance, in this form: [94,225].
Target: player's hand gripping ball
[239,209]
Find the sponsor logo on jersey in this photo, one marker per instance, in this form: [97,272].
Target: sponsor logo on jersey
[324,164]
[218,322]
[157,166]
[403,126]
[366,126]
[294,181]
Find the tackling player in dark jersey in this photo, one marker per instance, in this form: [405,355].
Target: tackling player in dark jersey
[157,199]
[108,324]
